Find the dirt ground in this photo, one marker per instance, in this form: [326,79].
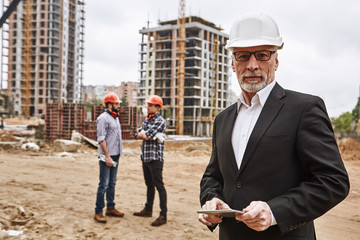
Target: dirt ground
[50,195]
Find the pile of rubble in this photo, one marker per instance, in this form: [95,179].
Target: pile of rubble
[349,149]
[15,221]
[7,137]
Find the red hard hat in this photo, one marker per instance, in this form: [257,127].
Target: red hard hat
[111,98]
[156,100]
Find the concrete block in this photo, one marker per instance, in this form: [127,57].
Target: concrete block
[63,145]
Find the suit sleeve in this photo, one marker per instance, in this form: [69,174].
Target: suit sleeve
[325,182]
[211,184]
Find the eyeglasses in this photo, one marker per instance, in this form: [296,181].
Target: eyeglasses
[244,56]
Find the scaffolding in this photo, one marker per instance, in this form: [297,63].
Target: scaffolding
[4,49]
[62,119]
[44,55]
[205,89]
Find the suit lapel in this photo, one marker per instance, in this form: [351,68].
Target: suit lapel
[267,115]
[228,128]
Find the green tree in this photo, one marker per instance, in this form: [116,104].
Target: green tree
[343,122]
[95,102]
[355,112]
[124,102]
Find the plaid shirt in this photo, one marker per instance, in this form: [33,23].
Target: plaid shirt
[151,149]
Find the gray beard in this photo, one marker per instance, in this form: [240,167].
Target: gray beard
[253,87]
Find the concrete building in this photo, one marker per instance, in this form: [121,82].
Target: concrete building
[126,90]
[43,57]
[129,90]
[206,72]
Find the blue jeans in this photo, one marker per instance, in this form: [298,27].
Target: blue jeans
[107,181]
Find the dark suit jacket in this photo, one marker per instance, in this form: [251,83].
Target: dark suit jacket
[291,161]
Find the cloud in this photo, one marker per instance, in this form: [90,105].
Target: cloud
[321,55]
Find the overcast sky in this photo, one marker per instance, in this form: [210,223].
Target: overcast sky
[321,55]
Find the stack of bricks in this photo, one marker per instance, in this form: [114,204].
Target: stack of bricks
[62,119]
[127,117]
[53,121]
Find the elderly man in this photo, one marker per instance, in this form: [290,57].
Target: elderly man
[274,152]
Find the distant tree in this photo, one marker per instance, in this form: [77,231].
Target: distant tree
[355,112]
[124,102]
[343,123]
[95,102]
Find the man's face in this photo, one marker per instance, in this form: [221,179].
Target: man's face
[253,75]
[115,107]
[152,109]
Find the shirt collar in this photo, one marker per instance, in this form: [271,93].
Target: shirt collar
[261,96]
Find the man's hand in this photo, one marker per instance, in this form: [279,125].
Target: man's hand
[142,135]
[213,204]
[257,216]
[109,161]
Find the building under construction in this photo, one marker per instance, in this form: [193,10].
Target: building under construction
[42,54]
[206,81]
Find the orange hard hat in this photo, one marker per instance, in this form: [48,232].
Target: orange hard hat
[156,100]
[111,98]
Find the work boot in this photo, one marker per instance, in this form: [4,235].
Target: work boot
[99,218]
[114,213]
[159,221]
[143,213]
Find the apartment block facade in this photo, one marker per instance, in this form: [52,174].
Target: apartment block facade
[43,57]
[207,65]
[127,90]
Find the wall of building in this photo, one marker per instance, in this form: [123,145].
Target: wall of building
[206,72]
[127,90]
[57,28]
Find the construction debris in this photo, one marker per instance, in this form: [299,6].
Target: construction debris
[62,145]
[31,146]
[76,136]
[9,145]
[90,141]
[349,149]
[10,233]
[7,137]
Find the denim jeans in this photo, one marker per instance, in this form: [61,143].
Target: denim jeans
[107,181]
[153,178]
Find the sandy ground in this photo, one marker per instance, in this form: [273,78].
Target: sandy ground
[49,196]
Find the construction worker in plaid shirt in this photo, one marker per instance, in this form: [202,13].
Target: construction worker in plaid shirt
[152,132]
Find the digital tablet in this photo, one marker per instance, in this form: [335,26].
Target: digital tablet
[223,212]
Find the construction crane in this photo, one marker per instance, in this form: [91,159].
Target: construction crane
[9,10]
[4,17]
[27,59]
[181,51]
[214,84]
[4,99]
[27,50]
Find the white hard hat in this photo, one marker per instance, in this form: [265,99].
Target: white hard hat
[254,29]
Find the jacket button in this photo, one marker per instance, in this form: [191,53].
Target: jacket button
[238,185]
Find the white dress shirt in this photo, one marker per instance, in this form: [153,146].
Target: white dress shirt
[246,120]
